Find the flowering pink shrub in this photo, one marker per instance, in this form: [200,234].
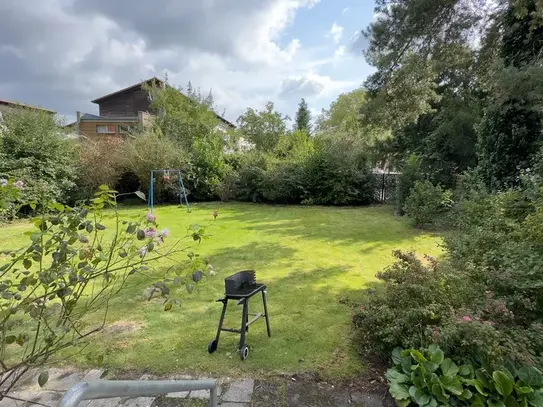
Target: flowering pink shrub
[150,233]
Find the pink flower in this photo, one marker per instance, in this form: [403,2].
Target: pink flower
[163,234]
[19,184]
[142,251]
[150,233]
[466,318]
[362,308]
[3,182]
[150,217]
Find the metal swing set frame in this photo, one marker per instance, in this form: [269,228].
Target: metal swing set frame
[167,172]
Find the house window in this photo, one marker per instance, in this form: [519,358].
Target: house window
[105,129]
[126,129]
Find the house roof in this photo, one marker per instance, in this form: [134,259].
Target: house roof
[22,105]
[92,117]
[128,89]
[149,82]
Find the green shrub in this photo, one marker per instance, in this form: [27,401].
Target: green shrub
[416,296]
[99,164]
[488,309]
[410,173]
[151,151]
[227,186]
[251,174]
[34,149]
[208,167]
[283,182]
[325,171]
[338,173]
[10,192]
[296,144]
[427,378]
[509,137]
[426,203]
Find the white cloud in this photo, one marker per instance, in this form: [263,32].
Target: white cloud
[336,32]
[61,54]
[345,10]
[340,52]
[358,43]
[311,85]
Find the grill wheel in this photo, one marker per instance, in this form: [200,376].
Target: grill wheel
[244,352]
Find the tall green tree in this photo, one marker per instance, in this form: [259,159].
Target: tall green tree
[183,115]
[511,131]
[420,49]
[302,121]
[187,118]
[344,113]
[263,128]
[426,88]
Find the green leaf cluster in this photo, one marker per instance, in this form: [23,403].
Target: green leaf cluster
[428,378]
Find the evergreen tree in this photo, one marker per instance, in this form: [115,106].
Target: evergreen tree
[510,132]
[303,117]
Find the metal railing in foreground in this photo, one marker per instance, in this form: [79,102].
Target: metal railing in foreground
[103,389]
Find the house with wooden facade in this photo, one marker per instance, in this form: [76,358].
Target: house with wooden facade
[122,112]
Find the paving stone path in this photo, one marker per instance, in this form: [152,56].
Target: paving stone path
[277,392]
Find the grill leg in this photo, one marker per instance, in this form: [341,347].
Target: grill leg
[244,318]
[266,312]
[224,304]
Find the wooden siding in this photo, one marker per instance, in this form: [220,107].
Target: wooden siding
[88,129]
[126,104]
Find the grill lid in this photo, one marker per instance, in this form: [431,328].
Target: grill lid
[240,282]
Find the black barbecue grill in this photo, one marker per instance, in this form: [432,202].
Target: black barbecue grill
[241,286]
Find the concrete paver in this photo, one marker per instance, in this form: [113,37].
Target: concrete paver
[179,394]
[239,392]
[199,394]
[59,379]
[112,402]
[137,402]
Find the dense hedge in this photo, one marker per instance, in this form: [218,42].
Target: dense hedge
[331,173]
[484,299]
[327,169]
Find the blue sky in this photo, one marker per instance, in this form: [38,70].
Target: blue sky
[313,27]
[61,54]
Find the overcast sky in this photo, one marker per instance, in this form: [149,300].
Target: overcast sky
[60,54]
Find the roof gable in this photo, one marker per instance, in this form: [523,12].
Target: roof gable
[150,81]
[24,106]
[128,89]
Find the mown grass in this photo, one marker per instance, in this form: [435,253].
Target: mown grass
[309,257]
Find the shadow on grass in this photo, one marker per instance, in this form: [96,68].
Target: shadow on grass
[331,224]
[250,254]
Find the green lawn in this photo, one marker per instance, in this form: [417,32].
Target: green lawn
[308,256]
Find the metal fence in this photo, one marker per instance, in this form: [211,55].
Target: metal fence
[103,389]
